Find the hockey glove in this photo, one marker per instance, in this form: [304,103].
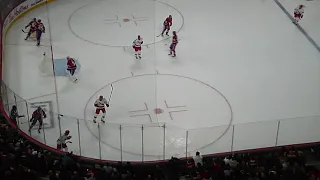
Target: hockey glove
[107,105]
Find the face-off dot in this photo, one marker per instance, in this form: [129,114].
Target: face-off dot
[126,20]
[158,110]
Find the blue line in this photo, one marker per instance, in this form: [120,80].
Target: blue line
[298,26]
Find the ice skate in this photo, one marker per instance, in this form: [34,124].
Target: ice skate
[94,121]
[136,57]
[39,131]
[139,57]
[102,120]
[174,55]
[170,54]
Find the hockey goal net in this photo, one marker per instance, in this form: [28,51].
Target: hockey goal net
[46,66]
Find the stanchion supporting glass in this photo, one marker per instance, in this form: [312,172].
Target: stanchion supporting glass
[17,119]
[120,130]
[5,87]
[79,141]
[28,118]
[142,148]
[99,133]
[59,122]
[164,141]
[44,134]
[232,138]
[276,143]
[187,144]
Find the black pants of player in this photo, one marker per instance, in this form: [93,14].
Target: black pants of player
[71,71]
[38,36]
[34,121]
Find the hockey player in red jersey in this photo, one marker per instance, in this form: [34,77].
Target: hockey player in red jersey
[37,115]
[166,25]
[33,26]
[298,13]
[61,142]
[137,46]
[173,44]
[99,104]
[71,68]
[39,30]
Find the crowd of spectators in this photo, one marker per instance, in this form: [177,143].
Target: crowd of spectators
[22,160]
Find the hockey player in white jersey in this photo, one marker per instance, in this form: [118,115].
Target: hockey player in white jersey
[61,142]
[298,13]
[137,47]
[99,104]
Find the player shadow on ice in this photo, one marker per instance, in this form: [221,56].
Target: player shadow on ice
[136,66]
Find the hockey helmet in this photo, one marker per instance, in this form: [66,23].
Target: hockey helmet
[67,132]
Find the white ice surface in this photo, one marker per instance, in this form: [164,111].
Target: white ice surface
[247,50]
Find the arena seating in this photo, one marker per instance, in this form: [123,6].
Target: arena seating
[20,159]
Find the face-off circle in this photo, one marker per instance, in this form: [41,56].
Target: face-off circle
[154,100]
[118,23]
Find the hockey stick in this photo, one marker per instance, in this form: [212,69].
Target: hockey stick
[110,94]
[72,77]
[69,142]
[24,31]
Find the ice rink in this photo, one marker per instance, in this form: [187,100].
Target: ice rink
[241,66]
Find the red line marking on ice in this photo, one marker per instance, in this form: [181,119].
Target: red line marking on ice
[165,102]
[143,115]
[170,113]
[140,110]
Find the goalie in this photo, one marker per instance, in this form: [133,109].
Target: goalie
[71,68]
[61,142]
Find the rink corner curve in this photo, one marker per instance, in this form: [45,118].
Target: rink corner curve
[19,11]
